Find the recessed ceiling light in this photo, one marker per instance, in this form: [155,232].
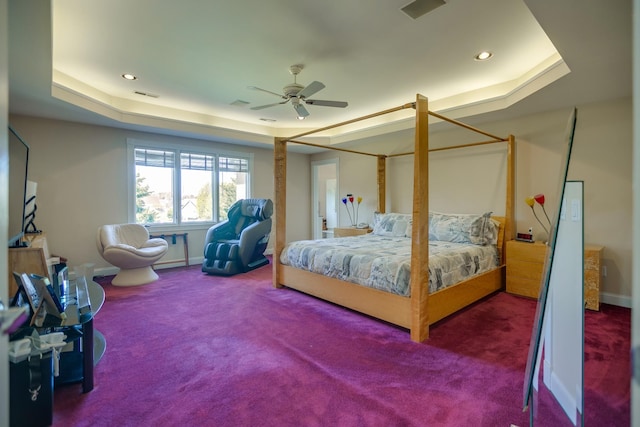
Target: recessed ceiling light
[128,76]
[483,56]
[300,117]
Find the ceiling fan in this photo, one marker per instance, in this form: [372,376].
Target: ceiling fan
[298,95]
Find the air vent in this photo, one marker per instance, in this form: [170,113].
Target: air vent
[267,120]
[239,103]
[150,95]
[421,7]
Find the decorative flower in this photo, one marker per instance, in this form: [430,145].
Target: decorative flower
[350,200]
[530,201]
[358,210]
[540,199]
[344,201]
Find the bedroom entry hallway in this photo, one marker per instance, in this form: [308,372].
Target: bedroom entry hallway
[234,351]
[325,200]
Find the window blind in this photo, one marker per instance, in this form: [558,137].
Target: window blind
[156,158]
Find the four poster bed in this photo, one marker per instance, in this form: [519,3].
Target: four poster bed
[411,305]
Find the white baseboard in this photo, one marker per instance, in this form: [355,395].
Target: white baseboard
[105,271]
[605,297]
[112,271]
[615,299]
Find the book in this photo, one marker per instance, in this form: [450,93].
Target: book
[44,287]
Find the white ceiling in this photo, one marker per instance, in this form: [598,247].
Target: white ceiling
[198,57]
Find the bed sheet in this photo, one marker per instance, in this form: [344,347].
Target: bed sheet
[383,262]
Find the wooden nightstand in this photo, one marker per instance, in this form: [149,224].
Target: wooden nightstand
[350,231]
[525,262]
[592,275]
[524,267]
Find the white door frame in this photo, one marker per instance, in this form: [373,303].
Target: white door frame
[315,196]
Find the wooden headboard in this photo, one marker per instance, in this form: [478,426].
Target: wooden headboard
[501,240]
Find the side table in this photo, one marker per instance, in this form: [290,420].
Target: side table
[525,262]
[77,365]
[350,231]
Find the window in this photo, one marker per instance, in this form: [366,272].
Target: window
[178,186]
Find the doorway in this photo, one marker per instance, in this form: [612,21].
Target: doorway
[324,200]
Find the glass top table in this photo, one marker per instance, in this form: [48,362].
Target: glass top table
[83,302]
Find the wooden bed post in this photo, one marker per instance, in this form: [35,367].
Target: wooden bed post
[511,179]
[510,198]
[420,309]
[280,186]
[420,229]
[382,183]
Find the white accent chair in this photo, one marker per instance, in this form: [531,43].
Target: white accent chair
[128,247]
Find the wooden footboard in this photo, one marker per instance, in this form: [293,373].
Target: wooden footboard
[382,305]
[454,298]
[389,307]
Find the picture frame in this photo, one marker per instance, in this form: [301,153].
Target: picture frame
[48,296]
[32,295]
[29,290]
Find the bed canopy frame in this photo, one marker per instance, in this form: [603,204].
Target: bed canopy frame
[420,309]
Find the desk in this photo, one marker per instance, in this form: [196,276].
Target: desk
[173,237]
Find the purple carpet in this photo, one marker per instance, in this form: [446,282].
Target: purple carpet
[198,350]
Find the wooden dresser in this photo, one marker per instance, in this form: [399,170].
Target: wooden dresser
[525,262]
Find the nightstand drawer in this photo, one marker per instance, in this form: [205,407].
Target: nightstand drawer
[523,251]
[524,269]
[525,287]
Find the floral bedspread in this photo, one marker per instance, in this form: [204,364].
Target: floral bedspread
[383,262]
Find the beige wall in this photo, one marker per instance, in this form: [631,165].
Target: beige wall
[601,158]
[81,171]
[81,175]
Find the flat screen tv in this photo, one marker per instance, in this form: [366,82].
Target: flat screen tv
[18,169]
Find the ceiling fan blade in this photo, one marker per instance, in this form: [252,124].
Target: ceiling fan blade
[311,88]
[279,95]
[339,104]
[261,107]
[302,112]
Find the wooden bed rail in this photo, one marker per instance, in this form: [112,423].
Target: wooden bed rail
[358,119]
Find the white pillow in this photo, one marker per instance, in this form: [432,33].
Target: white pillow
[391,224]
[463,228]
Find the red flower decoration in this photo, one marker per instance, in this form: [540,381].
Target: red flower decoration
[539,198]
